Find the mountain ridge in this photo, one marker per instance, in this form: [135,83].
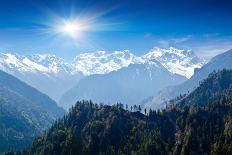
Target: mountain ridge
[100,62]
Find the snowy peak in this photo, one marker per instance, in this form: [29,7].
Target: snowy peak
[38,63]
[53,64]
[178,61]
[102,62]
[167,53]
[14,62]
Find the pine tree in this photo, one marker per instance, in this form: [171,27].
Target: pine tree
[139,108]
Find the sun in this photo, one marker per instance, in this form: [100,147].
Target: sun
[71,28]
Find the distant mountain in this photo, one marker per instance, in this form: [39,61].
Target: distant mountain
[127,85]
[49,73]
[45,72]
[25,112]
[199,123]
[219,62]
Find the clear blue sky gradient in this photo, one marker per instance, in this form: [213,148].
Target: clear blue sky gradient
[138,25]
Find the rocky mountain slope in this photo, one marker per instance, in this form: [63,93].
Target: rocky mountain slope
[24,112]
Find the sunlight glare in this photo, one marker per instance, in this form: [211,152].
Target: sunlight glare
[71,28]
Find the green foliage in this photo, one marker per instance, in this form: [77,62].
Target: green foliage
[90,129]
[198,123]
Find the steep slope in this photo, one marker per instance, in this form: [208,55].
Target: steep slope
[215,87]
[20,120]
[31,94]
[194,124]
[127,85]
[219,62]
[25,112]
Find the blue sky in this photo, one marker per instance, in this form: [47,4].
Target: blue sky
[137,25]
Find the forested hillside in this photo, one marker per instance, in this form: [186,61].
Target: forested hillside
[101,129]
[215,88]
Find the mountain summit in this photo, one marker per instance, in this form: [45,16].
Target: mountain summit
[102,62]
[177,61]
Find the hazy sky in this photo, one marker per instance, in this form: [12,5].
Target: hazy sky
[29,26]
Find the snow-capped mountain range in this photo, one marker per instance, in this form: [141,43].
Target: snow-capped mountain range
[54,76]
[177,61]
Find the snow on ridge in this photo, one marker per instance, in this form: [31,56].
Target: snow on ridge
[37,63]
[53,63]
[101,62]
[177,61]
[33,65]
